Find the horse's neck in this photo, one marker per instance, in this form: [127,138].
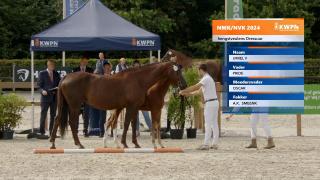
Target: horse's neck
[153,74]
[161,88]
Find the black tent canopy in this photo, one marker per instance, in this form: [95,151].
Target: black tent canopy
[94,27]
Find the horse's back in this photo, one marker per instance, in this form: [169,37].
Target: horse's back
[76,84]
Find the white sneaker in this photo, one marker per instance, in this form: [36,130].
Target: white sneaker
[203,147]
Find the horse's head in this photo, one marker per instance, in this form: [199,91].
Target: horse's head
[177,57]
[175,76]
[179,61]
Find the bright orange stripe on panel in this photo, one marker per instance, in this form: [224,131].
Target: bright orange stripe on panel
[266,62]
[268,47]
[269,77]
[253,92]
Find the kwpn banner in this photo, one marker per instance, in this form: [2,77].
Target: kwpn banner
[264,65]
[73,5]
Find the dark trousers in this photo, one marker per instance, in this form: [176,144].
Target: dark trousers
[44,110]
[97,119]
[85,112]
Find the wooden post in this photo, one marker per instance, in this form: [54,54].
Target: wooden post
[198,117]
[299,132]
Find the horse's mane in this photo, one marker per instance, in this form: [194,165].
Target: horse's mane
[178,53]
[134,69]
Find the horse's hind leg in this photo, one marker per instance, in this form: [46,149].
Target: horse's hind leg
[74,120]
[126,127]
[54,132]
[134,129]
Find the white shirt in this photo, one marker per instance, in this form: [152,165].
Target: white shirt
[208,87]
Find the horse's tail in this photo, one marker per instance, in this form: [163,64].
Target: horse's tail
[64,110]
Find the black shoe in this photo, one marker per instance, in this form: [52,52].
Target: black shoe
[85,134]
[42,136]
[164,135]
[101,135]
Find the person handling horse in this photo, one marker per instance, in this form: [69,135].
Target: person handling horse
[211,106]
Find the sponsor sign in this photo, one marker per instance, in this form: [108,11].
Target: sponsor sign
[23,74]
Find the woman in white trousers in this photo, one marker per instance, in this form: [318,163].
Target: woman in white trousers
[255,118]
[211,107]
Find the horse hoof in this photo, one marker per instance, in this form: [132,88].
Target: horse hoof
[52,147]
[81,147]
[137,146]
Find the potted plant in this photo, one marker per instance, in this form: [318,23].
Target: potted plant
[176,114]
[11,107]
[192,77]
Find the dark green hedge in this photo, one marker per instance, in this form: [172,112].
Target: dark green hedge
[6,65]
[312,66]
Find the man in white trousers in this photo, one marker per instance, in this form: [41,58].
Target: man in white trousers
[254,120]
[211,107]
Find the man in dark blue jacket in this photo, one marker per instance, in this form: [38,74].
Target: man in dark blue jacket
[48,82]
[85,109]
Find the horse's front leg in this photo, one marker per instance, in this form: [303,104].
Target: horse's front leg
[115,137]
[105,134]
[126,127]
[159,137]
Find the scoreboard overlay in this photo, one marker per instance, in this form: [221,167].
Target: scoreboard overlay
[264,65]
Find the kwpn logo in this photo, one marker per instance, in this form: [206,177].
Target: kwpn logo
[286,27]
[143,42]
[45,43]
[37,42]
[134,42]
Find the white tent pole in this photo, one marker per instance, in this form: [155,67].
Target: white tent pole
[159,55]
[32,89]
[63,59]
[150,57]
[64,14]
[64,9]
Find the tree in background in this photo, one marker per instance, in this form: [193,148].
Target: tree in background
[182,24]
